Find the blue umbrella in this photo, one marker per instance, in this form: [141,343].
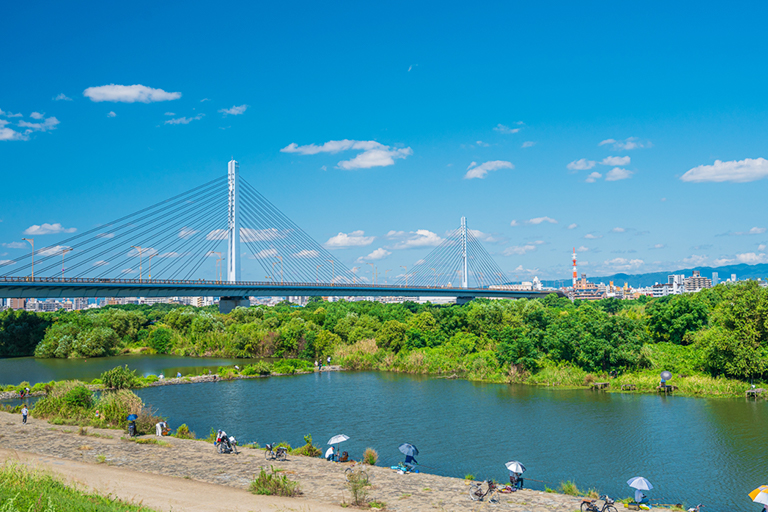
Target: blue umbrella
[409,449]
[132,417]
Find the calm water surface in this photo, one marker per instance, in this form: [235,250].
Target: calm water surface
[20,369]
[693,450]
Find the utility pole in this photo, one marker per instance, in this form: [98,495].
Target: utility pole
[385,275]
[233,245]
[281,268]
[32,241]
[65,251]
[140,252]
[373,272]
[464,251]
[406,274]
[354,274]
[317,278]
[218,265]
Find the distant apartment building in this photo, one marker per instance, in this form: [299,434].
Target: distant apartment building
[696,282]
[17,303]
[584,290]
[715,279]
[80,303]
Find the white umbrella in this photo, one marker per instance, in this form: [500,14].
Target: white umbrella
[515,466]
[337,439]
[640,483]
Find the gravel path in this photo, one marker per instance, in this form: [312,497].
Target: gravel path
[320,481]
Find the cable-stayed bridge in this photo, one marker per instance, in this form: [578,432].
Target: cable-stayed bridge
[159,251]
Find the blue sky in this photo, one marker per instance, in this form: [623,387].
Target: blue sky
[633,132]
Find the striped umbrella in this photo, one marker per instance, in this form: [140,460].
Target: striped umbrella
[760,495]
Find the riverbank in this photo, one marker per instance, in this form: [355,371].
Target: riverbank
[196,462]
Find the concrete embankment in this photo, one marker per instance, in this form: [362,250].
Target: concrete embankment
[192,467]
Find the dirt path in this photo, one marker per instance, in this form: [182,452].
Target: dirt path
[162,493]
[190,470]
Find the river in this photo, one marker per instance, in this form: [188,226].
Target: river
[692,449]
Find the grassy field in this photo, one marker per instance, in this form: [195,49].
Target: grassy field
[24,490]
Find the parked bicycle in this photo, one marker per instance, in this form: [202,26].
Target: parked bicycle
[225,443]
[487,489]
[278,453]
[590,505]
[357,471]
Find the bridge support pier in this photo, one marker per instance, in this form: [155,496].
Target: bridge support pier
[460,301]
[227,304]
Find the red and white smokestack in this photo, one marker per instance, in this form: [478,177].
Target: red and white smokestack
[574,267]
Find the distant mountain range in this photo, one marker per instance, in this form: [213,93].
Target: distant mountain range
[742,271]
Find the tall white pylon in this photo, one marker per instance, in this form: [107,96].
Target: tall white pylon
[233,245]
[464,252]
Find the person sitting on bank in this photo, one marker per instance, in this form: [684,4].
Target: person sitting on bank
[516,480]
[410,463]
[330,454]
[640,497]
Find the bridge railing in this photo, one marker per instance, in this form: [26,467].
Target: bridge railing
[204,282]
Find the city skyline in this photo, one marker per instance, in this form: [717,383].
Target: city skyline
[639,144]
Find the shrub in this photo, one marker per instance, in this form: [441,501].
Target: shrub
[469,476]
[274,484]
[370,456]
[358,484]
[260,368]
[78,397]
[569,488]
[115,406]
[119,377]
[183,432]
[308,450]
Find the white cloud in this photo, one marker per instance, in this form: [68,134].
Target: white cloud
[62,97]
[37,115]
[573,226]
[353,239]
[373,154]
[135,252]
[658,246]
[9,134]
[617,173]
[590,236]
[506,129]
[100,263]
[129,94]
[127,271]
[752,231]
[204,100]
[695,260]
[480,171]
[722,261]
[411,239]
[519,249]
[593,177]
[48,124]
[170,114]
[736,171]
[482,144]
[378,254]
[541,220]
[6,262]
[266,253]
[16,245]
[582,249]
[111,114]
[184,120]
[618,230]
[761,247]
[528,144]
[483,237]
[234,111]
[53,251]
[615,160]
[751,258]
[626,144]
[581,164]
[217,234]
[261,235]
[307,254]
[105,235]
[623,264]
[48,229]
[187,232]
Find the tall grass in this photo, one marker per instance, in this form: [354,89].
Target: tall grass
[23,490]
[274,484]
